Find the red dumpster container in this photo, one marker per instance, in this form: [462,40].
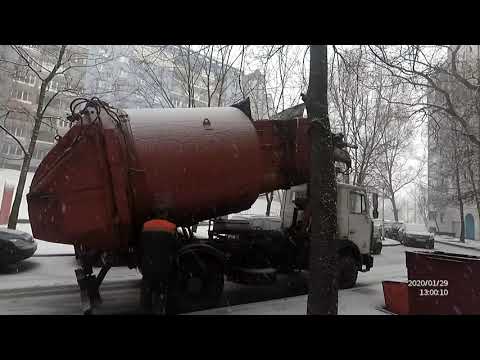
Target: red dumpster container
[396,297]
[443,283]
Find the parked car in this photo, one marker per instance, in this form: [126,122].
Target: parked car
[395,230]
[15,246]
[418,236]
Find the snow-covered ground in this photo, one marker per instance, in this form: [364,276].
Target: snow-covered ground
[356,301]
[470,244]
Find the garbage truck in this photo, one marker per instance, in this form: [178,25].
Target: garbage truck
[126,187]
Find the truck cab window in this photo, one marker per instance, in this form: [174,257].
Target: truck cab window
[357,203]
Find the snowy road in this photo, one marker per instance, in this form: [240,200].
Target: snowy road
[47,285]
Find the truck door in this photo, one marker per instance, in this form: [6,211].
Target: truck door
[359,226]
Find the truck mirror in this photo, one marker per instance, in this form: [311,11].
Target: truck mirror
[375,205]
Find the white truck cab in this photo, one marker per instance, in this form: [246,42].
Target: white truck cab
[353,219]
[354,225]
[257,246]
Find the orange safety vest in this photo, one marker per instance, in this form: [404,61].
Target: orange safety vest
[159,225]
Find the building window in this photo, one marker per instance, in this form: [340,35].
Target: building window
[18,131]
[5,149]
[39,154]
[12,149]
[31,79]
[22,95]
[24,77]
[53,85]
[28,78]
[441,217]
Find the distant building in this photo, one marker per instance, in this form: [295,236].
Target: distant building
[444,214]
[19,91]
[172,76]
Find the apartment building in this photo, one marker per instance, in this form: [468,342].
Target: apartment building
[19,93]
[166,76]
[444,213]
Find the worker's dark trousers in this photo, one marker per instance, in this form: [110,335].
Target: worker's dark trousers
[157,260]
[158,255]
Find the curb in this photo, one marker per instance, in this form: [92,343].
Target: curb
[387,245]
[457,245]
[50,255]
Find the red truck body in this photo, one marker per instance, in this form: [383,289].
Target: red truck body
[100,183]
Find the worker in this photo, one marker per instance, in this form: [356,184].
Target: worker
[157,252]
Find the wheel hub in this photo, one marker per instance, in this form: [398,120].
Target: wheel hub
[194,285]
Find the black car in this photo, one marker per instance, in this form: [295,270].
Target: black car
[15,246]
[419,240]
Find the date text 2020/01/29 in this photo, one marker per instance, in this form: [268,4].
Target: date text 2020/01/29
[428,283]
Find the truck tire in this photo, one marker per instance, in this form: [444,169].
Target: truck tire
[347,271]
[195,288]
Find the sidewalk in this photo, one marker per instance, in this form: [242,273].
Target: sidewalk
[361,300]
[447,240]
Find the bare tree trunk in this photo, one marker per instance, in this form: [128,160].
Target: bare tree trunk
[425,220]
[280,197]
[269,197]
[323,287]
[394,207]
[436,222]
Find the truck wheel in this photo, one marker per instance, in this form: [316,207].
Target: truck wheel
[198,285]
[348,272]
